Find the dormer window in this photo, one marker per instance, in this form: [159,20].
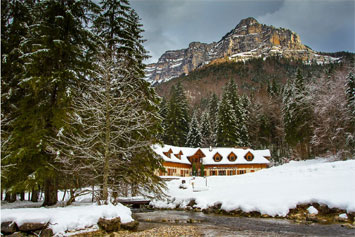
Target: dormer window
[217,157]
[178,155]
[249,156]
[168,153]
[232,157]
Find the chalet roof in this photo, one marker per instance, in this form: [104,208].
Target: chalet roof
[259,155]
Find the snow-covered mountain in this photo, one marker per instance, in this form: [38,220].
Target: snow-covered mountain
[249,39]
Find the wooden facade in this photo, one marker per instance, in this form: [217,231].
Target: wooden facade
[178,161]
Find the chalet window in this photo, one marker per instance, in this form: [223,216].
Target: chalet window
[217,157]
[221,172]
[241,172]
[230,172]
[249,156]
[213,172]
[232,157]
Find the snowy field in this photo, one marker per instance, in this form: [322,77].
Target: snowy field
[271,191]
[63,219]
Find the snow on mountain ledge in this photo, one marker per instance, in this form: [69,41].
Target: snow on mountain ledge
[271,191]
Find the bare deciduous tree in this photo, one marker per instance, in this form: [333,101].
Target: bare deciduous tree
[106,129]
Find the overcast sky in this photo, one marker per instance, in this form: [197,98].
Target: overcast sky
[324,25]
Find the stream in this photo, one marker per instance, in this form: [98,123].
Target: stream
[221,225]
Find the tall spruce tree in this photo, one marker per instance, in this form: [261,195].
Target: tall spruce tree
[105,115]
[213,114]
[163,112]
[177,121]
[55,55]
[297,116]
[207,138]
[240,112]
[119,70]
[194,135]
[227,128]
[15,18]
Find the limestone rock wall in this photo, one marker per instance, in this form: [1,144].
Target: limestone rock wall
[249,39]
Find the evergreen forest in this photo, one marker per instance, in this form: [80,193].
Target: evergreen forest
[297,111]
[75,111]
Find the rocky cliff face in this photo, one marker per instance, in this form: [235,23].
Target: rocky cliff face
[249,39]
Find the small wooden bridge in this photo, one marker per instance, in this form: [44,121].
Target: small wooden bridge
[136,203]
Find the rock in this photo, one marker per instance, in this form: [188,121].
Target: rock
[48,232]
[312,218]
[17,234]
[133,225]
[8,227]
[109,225]
[191,203]
[342,218]
[29,227]
[249,39]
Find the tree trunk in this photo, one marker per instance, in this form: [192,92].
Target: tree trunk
[50,193]
[72,195]
[65,192]
[107,142]
[7,196]
[93,193]
[22,196]
[34,196]
[13,197]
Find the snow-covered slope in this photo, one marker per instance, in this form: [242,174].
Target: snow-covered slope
[272,191]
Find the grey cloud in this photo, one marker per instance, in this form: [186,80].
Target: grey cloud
[322,25]
[173,24]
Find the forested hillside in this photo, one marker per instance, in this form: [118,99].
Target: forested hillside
[294,109]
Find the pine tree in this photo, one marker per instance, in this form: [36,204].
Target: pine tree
[213,114]
[55,53]
[240,113]
[15,18]
[119,31]
[227,130]
[104,116]
[194,170]
[194,136]
[202,170]
[163,112]
[243,120]
[177,121]
[206,131]
[297,116]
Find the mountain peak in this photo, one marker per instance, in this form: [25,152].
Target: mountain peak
[248,40]
[247,21]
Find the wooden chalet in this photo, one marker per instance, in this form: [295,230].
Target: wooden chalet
[178,161]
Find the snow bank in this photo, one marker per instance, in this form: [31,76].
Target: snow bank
[62,219]
[272,191]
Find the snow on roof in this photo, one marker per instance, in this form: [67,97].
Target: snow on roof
[260,156]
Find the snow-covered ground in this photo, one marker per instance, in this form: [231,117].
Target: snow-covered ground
[271,191]
[63,219]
